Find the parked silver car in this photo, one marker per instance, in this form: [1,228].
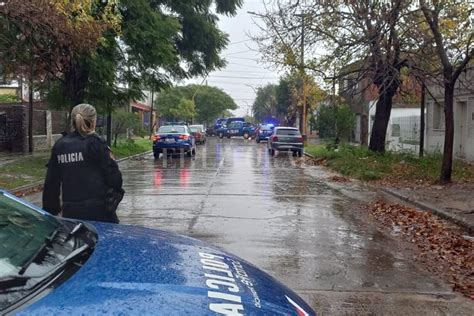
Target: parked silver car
[286,139]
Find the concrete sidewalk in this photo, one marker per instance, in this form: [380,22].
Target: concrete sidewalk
[454,201]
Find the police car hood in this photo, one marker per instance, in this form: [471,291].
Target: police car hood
[136,270]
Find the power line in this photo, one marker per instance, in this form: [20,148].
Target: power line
[239,52]
[242,77]
[235,83]
[243,41]
[254,59]
[240,71]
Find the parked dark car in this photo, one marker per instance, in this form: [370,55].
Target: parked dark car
[173,139]
[57,266]
[263,132]
[286,139]
[198,132]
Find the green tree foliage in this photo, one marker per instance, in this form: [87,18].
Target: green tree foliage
[286,102]
[155,43]
[175,108]
[264,106]
[450,28]
[283,101]
[335,122]
[8,98]
[364,39]
[40,39]
[209,103]
[121,122]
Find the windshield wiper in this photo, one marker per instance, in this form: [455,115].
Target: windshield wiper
[74,231]
[47,241]
[13,281]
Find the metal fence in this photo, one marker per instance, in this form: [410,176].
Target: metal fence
[406,129]
[10,133]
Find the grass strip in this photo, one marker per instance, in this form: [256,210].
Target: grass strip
[130,147]
[23,170]
[28,169]
[360,163]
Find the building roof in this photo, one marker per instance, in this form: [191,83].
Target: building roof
[140,106]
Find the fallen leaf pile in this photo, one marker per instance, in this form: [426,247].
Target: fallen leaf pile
[308,161]
[339,179]
[442,250]
[29,191]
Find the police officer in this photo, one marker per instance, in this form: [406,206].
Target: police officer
[82,170]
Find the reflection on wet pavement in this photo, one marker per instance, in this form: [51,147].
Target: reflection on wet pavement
[287,220]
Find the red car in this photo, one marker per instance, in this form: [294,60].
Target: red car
[199,133]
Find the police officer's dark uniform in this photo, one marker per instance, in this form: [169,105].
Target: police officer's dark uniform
[82,171]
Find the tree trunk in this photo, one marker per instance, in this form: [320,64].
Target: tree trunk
[109,127]
[422,119]
[30,116]
[447,166]
[364,129]
[382,117]
[76,80]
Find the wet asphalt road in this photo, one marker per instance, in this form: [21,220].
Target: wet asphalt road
[289,221]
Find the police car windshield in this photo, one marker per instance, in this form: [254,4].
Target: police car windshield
[22,232]
[171,129]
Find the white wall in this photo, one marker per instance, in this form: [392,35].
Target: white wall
[463,129]
[411,124]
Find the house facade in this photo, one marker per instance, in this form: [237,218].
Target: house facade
[361,96]
[403,131]
[144,109]
[463,117]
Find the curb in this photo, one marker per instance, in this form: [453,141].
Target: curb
[39,184]
[426,206]
[134,156]
[28,187]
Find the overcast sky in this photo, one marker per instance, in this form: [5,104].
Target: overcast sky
[245,70]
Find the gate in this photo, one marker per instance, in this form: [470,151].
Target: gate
[10,133]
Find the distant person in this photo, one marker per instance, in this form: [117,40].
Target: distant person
[83,171]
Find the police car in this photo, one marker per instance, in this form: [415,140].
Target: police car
[264,132]
[56,266]
[173,139]
[238,128]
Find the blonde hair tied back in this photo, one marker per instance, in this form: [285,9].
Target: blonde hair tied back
[83,118]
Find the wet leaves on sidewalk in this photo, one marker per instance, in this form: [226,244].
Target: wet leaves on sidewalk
[339,179]
[29,191]
[442,248]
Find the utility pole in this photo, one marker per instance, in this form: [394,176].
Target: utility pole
[422,118]
[303,77]
[151,113]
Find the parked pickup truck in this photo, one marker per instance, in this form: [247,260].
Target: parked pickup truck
[246,130]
